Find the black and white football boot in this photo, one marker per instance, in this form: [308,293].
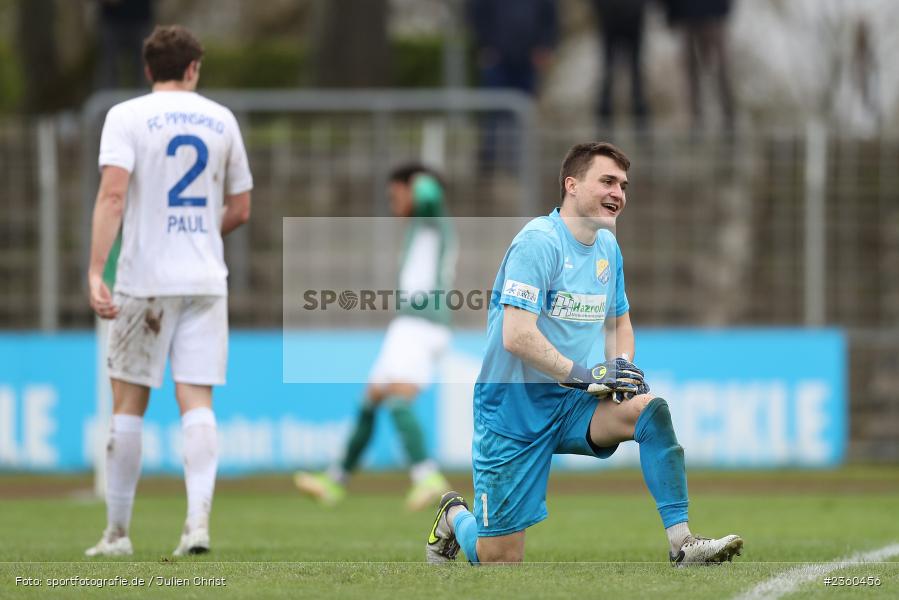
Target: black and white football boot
[704,551]
[442,546]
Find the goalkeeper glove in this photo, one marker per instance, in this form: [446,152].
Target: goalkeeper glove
[619,397]
[618,375]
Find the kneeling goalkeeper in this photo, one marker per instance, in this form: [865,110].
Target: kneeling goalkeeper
[556,379]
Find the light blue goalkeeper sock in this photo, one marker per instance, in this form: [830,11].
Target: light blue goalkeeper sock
[466,529]
[662,462]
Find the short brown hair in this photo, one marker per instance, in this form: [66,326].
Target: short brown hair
[168,52]
[579,158]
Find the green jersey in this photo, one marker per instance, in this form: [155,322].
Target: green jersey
[428,260]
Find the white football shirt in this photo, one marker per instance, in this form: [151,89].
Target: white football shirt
[184,153]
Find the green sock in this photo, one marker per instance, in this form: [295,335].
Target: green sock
[365,424]
[408,428]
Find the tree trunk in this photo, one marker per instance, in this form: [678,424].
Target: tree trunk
[352,48]
[40,58]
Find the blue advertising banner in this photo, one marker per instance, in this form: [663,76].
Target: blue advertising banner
[752,398]
[739,398]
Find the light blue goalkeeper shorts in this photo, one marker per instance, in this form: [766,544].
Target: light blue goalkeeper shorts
[510,475]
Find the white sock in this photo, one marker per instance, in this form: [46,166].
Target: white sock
[200,462]
[122,472]
[677,535]
[423,470]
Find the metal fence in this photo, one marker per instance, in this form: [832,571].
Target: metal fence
[766,228]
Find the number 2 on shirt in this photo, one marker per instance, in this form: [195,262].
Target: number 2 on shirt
[175,197]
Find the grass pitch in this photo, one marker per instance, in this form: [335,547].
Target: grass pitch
[603,539]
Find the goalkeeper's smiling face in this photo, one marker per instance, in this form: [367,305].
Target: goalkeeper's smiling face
[601,195]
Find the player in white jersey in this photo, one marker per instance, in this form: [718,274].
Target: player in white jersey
[175,177]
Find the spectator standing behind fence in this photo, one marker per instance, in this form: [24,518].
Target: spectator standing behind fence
[705,46]
[123,25]
[514,43]
[621,27]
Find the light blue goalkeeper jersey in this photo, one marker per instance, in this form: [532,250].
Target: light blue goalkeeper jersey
[572,288]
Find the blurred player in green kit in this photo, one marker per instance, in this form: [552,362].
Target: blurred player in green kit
[414,342]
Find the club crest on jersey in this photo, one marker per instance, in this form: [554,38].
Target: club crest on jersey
[579,307]
[602,271]
[522,291]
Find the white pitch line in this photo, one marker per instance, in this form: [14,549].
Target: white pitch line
[790,580]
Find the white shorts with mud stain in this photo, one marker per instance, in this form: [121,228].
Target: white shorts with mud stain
[191,330]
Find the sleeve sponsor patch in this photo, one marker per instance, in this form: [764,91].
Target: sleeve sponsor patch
[522,291]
